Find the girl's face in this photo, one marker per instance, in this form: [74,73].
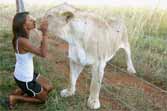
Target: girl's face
[29,23]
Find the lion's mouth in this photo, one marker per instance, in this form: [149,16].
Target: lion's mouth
[34,23]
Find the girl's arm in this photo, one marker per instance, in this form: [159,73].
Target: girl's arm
[42,50]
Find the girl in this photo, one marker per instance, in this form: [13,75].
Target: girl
[32,86]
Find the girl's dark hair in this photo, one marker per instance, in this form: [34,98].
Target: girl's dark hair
[18,27]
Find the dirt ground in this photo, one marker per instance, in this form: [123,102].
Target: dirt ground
[111,78]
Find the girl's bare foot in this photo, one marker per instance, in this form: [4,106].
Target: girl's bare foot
[11,102]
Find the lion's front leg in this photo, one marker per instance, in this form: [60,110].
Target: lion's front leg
[97,76]
[75,70]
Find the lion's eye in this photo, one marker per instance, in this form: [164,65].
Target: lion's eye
[49,16]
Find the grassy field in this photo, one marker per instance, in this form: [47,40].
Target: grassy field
[147,35]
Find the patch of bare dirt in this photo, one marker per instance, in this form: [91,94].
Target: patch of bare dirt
[155,94]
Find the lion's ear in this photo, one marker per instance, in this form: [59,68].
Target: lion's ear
[68,15]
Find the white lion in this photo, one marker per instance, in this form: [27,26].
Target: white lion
[92,41]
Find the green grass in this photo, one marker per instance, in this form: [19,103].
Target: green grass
[147,35]
[55,102]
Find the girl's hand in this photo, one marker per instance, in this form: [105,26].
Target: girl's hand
[43,26]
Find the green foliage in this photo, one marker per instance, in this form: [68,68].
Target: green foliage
[147,30]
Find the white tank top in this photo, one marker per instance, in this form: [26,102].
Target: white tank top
[24,67]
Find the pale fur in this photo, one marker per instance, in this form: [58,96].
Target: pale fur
[92,41]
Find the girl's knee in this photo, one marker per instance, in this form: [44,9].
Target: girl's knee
[42,96]
[50,87]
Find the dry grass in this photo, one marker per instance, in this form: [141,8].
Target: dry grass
[148,37]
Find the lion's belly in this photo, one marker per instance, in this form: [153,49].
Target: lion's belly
[78,55]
